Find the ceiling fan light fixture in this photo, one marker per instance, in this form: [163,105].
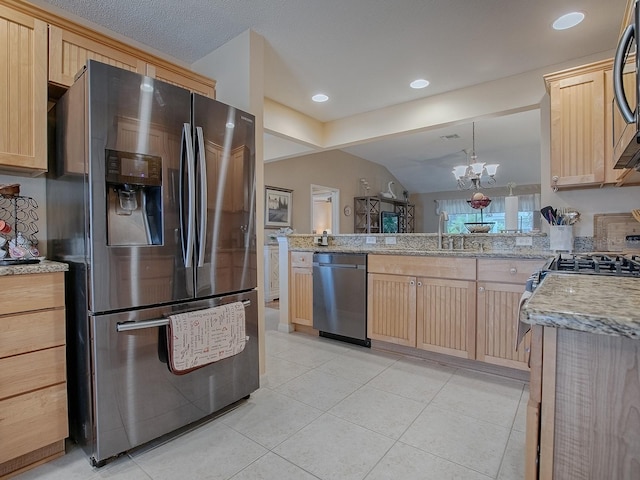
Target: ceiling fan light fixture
[419,83]
[320,98]
[568,20]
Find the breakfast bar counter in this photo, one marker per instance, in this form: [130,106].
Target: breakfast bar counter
[601,304]
[584,391]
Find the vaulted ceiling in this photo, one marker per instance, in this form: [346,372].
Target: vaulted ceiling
[364,53]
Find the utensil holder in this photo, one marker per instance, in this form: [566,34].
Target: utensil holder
[561,238]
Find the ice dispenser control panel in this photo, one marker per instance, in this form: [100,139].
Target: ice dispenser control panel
[133,168]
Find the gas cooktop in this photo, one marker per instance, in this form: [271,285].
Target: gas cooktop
[596,264]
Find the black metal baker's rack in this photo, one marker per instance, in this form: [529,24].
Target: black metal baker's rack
[21,214]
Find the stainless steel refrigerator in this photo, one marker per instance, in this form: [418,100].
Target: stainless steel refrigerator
[151,202]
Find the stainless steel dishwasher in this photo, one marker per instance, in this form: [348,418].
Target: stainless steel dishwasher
[340,296]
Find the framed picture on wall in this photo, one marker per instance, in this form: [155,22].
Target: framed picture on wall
[389,222]
[277,203]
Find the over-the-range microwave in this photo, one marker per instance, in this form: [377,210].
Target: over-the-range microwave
[626,85]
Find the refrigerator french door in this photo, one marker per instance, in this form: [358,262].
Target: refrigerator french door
[151,202]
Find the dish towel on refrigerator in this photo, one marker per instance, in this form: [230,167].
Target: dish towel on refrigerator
[199,338]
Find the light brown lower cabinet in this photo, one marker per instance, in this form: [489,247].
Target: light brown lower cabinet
[501,283]
[391,308]
[423,302]
[589,392]
[446,316]
[301,288]
[33,389]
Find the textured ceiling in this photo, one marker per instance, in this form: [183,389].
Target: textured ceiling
[363,53]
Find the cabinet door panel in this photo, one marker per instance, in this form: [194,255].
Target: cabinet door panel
[446,316]
[577,130]
[498,306]
[69,52]
[23,92]
[391,309]
[301,296]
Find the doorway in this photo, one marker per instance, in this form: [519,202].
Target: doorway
[325,205]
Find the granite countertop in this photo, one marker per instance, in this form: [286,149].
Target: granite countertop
[46,266]
[427,253]
[600,304]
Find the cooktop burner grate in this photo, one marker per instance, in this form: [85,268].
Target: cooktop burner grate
[597,263]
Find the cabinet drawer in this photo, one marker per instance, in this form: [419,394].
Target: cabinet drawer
[27,332]
[32,292]
[32,421]
[302,259]
[438,267]
[32,371]
[507,270]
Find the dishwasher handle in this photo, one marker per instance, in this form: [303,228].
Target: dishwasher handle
[338,265]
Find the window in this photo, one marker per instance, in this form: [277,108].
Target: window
[460,213]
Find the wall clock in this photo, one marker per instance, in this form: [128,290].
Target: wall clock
[347,210]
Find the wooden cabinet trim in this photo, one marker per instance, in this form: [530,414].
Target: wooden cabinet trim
[547,409]
[508,270]
[437,267]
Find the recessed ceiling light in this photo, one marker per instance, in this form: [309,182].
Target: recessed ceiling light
[569,20]
[319,98]
[420,83]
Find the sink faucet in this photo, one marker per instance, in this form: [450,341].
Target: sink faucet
[444,217]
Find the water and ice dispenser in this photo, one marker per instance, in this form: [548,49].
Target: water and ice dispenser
[134,199]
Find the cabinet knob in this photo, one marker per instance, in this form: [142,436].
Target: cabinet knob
[513,270]
[411,282]
[419,284]
[481,289]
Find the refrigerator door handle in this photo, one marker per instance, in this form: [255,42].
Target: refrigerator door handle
[187,147]
[158,322]
[202,164]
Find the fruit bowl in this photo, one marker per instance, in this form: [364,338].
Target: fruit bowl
[479,227]
[479,202]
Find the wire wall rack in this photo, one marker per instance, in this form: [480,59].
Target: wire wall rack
[21,214]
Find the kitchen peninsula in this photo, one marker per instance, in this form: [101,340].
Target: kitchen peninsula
[459,301]
[585,377]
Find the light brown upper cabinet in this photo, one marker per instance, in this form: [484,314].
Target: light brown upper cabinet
[578,125]
[585,123]
[23,92]
[69,52]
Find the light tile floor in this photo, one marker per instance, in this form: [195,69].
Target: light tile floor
[330,410]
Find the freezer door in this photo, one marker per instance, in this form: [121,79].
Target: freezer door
[135,396]
[137,143]
[225,206]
